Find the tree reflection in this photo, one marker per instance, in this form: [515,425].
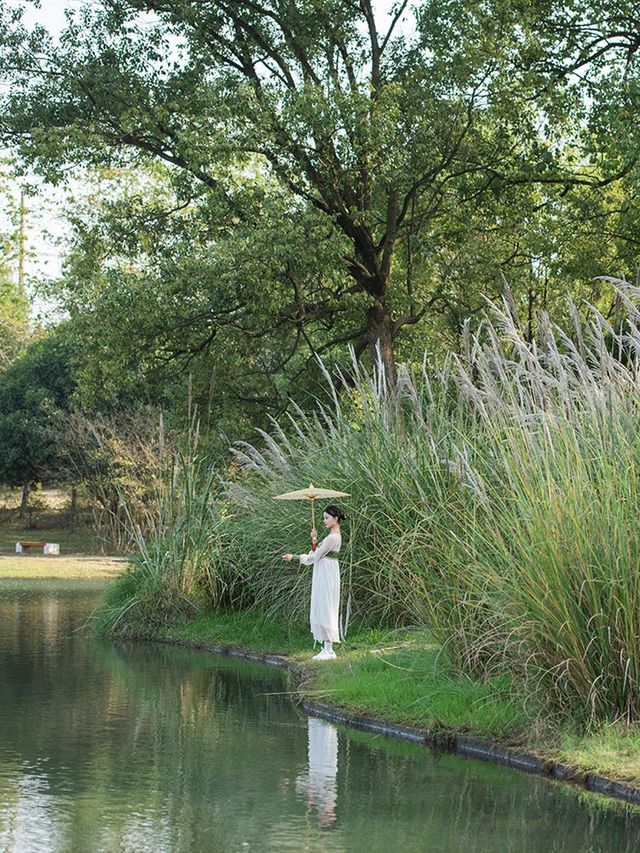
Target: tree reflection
[131,747]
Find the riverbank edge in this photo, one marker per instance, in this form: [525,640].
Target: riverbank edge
[459,744]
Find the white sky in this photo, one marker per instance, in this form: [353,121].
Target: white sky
[50,14]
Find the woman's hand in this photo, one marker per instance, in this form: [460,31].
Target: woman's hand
[287,557]
[314,535]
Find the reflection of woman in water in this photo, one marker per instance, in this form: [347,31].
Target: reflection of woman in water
[325,585]
[320,782]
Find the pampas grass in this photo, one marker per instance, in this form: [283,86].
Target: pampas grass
[494,501]
[181,565]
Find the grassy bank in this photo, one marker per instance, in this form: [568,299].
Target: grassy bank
[402,676]
[81,541]
[399,675]
[493,502]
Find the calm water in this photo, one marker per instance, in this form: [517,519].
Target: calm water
[133,748]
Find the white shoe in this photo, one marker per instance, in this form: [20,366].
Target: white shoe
[324,655]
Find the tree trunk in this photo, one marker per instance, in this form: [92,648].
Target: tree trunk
[380,335]
[74,508]
[24,503]
[371,268]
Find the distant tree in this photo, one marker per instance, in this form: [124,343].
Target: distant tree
[120,459]
[14,318]
[14,302]
[35,394]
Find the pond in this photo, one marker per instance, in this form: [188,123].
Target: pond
[110,747]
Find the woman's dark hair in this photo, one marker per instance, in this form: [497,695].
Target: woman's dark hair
[336,512]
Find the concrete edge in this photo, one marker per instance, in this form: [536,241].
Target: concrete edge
[483,750]
[465,745]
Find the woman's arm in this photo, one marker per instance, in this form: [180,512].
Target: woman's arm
[314,539]
[327,545]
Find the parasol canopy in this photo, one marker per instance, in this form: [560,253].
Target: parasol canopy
[311,493]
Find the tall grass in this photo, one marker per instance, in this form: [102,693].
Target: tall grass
[180,565]
[496,501]
[554,544]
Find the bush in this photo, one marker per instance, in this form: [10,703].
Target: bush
[178,565]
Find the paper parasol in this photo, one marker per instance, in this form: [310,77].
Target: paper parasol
[311,493]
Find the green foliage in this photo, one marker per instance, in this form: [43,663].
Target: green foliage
[217,301]
[119,460]
[341,169]
[327,181]
[35,394]
[181,562]
[494,503]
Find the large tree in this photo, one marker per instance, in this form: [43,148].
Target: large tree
[156,296]
[385,122]
[381,122]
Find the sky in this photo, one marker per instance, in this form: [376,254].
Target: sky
[44,221]
[50,14]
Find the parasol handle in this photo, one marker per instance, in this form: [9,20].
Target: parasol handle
[314,545]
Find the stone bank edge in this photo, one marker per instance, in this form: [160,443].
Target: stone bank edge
[450,742]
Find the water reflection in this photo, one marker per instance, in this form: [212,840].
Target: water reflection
[108,747]
[318,784]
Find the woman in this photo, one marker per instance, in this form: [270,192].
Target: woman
[325,585]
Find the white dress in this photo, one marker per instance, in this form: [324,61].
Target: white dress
[325,589]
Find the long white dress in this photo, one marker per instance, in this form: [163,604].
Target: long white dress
[325,589]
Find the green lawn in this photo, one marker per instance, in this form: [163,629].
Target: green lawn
[81,541]
[86,567]
[46,521]
[612,750]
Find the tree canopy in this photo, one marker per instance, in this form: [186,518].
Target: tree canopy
[324,174]
[35,393]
